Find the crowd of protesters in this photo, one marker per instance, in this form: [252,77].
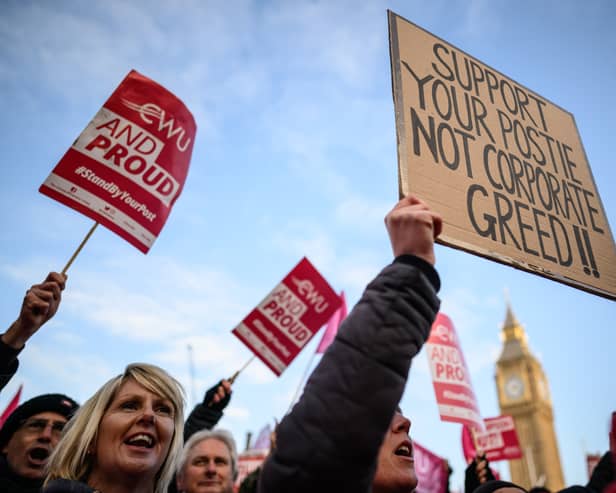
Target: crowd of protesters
[131,437]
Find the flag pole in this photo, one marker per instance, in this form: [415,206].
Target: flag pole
[83,242]
[326,340]
[236,374]
[191,371]
[301,382]
[478,451]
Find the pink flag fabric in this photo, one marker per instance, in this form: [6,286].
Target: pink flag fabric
[263,439]
[332,325]
[431,470]
[11,407]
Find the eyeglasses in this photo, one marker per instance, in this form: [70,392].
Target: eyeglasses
[40,425]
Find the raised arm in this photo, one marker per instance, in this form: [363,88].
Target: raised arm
[330,440]
[40,303]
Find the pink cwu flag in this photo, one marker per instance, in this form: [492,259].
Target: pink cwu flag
[263,439]
[431,471]
[332,325]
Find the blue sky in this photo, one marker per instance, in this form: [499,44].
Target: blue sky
[295,155]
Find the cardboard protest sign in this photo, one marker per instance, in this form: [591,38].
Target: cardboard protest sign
[499,441]
[288,317]
[431,471]
[504,166]
[128,167]
[450,376]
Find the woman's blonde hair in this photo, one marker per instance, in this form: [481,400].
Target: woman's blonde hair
[71,459]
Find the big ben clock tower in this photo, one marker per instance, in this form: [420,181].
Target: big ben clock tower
[523,393]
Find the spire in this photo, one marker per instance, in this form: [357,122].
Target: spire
[510,320]
[513,334]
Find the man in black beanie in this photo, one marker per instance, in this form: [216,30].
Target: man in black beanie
[28,437]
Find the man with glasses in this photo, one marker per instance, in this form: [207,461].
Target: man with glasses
[28,437]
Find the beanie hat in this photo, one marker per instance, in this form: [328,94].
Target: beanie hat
[55,403]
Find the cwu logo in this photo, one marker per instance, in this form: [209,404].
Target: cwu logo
[149,112]
[307,290]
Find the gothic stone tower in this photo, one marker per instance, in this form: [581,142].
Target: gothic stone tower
[523,393]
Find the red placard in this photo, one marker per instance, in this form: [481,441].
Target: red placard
[288,317]
[450,376]
[128,167]
[500,440]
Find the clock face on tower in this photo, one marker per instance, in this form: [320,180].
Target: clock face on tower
[514,387]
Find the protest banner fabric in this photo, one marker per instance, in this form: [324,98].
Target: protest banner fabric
[505,167]
[263,439]
[12,405]
[431,471]
[450,376]
[128,167]
[499,441]
[247,462]
[288,317]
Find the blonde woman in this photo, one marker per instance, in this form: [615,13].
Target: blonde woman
[125,439]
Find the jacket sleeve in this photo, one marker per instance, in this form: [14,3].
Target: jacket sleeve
[603,474]
[201,418]
[207,414]
[8,363]
[330,440]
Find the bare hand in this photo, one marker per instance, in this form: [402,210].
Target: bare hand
[412,228]
[40,304]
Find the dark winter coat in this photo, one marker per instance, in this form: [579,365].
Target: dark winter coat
[11,483]
[8,363]
[331,439]
[68,486]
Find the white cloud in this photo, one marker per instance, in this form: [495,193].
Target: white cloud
[238,413]
[317,35]
[362,213]
[172,299]
[300,239]
[65,338]
[58,369]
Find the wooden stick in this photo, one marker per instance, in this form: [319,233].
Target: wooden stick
[236,374]
[68,264]
[478,451]
[301,382]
